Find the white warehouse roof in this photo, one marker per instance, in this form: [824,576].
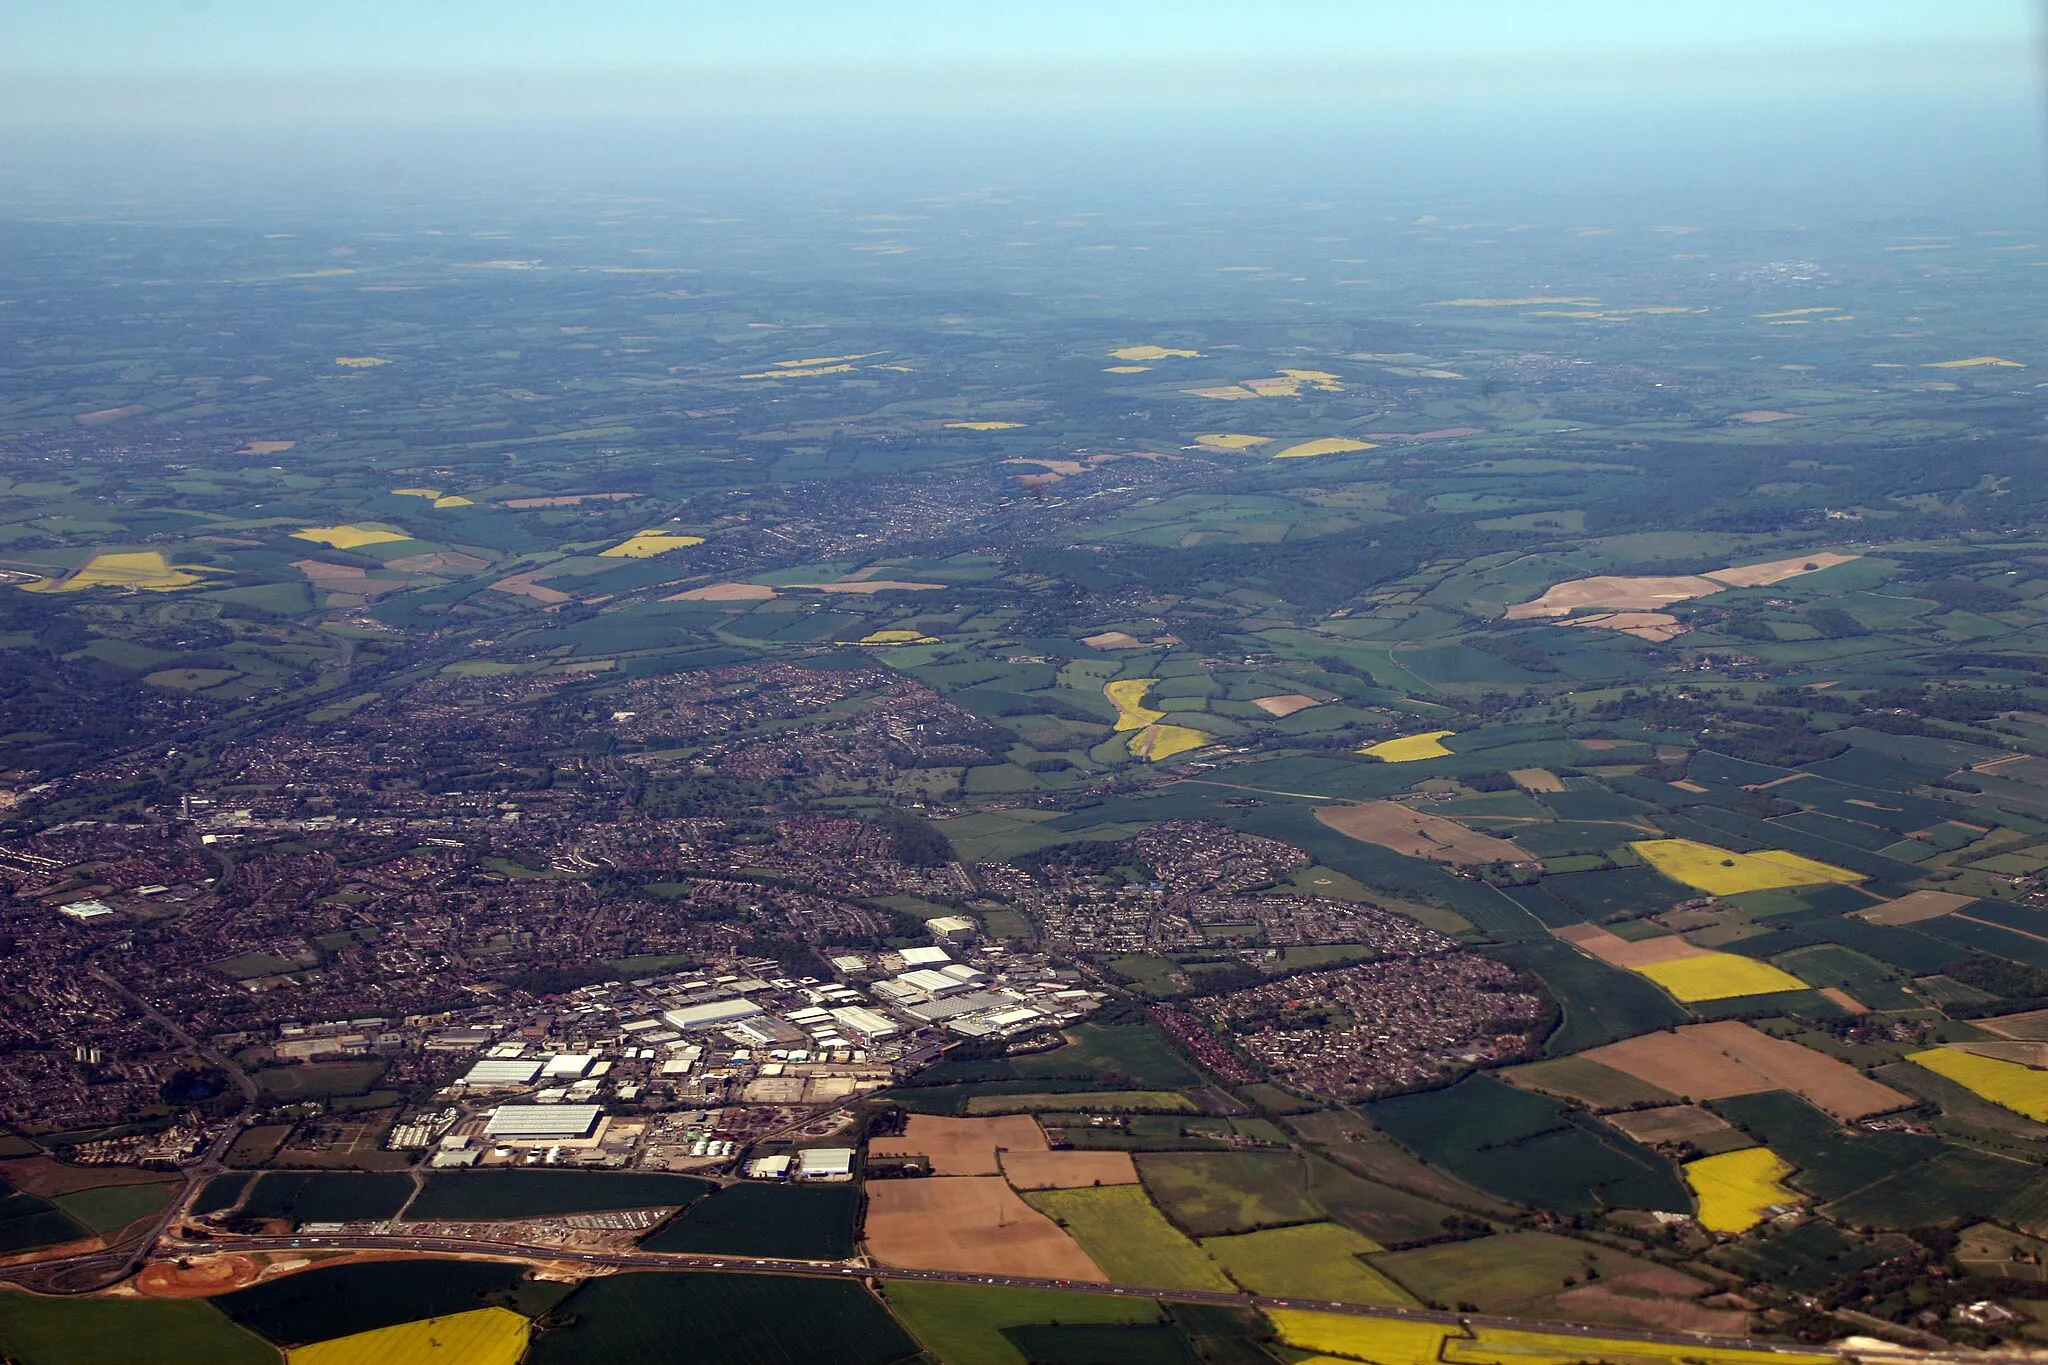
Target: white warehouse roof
[925,957]
[494,1071]
[542,1121]
[712,1013]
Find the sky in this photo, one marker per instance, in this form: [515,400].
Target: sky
[146,60]
[1867,101]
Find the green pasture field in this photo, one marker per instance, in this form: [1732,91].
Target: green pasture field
[1807,1258]
[99,1331]
[1513,1272]
[796,1222]
[27,1222]
[634,1319]
[1389,1216]
[109,1208]
[1524,1147]
[461,1196]
[1207,1194]
[1124,1234]
[318,1080]
[327,1197]
[963,1324]
[221,1192]
[1089,1101]
[1831,964]
[1136,1052]
[1308,1260]
[1601,1004]
[1832,1161]
[1961,1184]
[1590,1083]
[337,1301]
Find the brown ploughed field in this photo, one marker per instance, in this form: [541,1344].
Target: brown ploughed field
[1419,834]
[971,1223]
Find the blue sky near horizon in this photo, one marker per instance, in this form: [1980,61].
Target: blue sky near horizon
[108,59]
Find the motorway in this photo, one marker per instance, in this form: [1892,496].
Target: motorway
[755,1265]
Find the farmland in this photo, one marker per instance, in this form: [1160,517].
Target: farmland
[1227,739]
[745,1319]
[50,1331]
[486,1336]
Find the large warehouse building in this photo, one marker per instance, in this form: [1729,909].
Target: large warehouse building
[543,1122]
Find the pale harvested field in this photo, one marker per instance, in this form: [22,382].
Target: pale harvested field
[1778,570]
[569,499]
[1617,951]
[1648,593]
[1068,1170]
[2025,1052]
[971,1223]
[1536,779]
[963,1146]
[1718,1060]
[1284,705]
[1419,834]
[1610,591]
[1915,907]
[321,572]
[871,585]
[267,447]
[1845,1000]
[1063,468]
[439,559]
[1673,1123]
[522,585]
[1655,626]
[725,592]
[1113,639]
[106,415]
[201,1277]
[1762,415]
[2031,1026]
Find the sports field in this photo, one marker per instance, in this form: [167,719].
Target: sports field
[1720,872]
[1735,1188]
[488,1336]
[1410,748]
[2021,1089]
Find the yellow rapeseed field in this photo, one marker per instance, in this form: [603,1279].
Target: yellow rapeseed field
[1327,445]
[647,544]
[1127,695]
[2019,1088]
[1155,742]
[453,500]
[1719,976]
[487,1336]
[1383,1341]
[433,495]
[1973,362]
[1719,872]
[415,492]
[1507,1346]
[360,362]
[897,637]
[137,570]
[1151,353]
[1410,748]
[1735,1188]
[982,426]
[348,537]
[1389,1341]
[1125,369]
